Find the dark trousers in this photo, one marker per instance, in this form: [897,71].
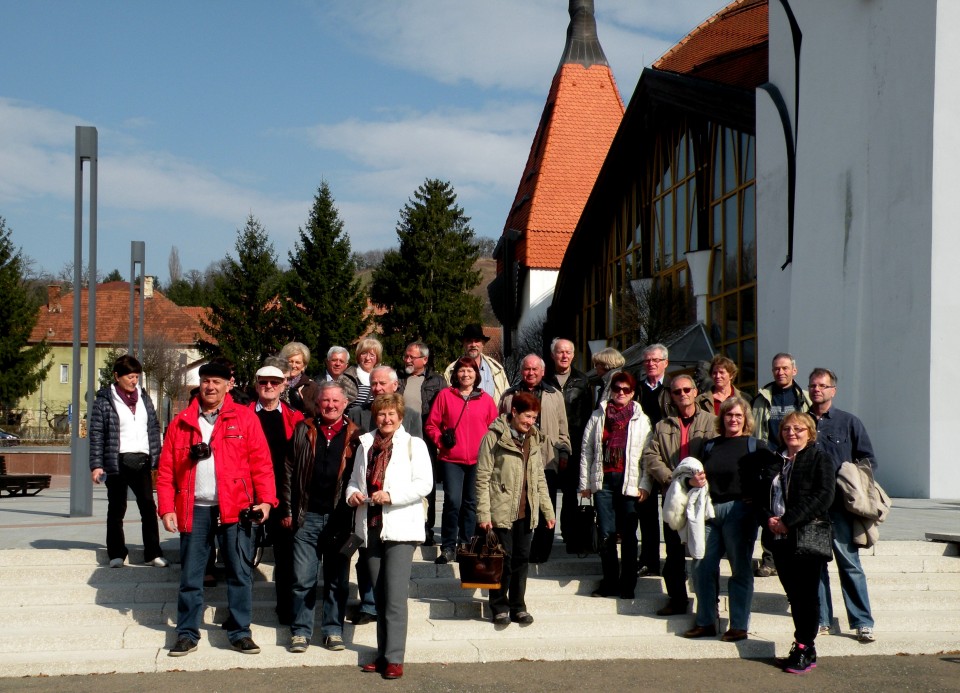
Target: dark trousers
[141,483]
[616,514]
[675,567]
[648,516]
[800,577]
[569,478]
[516,564]
[282,542]
[542,543]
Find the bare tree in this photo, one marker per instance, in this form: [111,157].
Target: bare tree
[529,341]
[173,266]
[65,276]
[161,365]
[659,311]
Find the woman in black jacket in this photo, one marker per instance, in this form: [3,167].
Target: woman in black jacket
[124,448]
[795,490]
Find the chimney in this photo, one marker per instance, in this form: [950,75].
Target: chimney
[148,287]
[53,298]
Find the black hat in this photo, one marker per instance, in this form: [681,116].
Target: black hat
[215,370]
[473,331]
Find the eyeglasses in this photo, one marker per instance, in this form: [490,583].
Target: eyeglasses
[818,386]
[618,389]
[269,383]
[652,361]
[412,358]
[797,430]
[682,391]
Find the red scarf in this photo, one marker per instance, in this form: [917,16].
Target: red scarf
[128,398]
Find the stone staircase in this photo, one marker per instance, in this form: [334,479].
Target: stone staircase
[66,612]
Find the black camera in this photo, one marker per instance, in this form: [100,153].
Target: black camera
[448,439]
[200,451]
[251,515]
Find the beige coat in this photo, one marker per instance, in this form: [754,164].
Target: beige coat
[555,434]
[662,455]
[864,499]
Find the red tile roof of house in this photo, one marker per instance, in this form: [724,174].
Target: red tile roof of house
[730,47]
[162,318]
[581,117]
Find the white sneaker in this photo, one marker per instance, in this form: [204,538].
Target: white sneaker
[824,630]
[158,562]
[116,562]
[865,634]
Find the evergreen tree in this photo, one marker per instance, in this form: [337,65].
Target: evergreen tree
[21,369]
[324,302]
[425,284]
[244,318]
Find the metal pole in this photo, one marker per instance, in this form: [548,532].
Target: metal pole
[81,485]
[143,287]
[136,256]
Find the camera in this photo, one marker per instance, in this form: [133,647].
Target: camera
[200,451]
[448,438]
[251,515]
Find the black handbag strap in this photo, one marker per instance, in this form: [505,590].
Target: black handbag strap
[462,411]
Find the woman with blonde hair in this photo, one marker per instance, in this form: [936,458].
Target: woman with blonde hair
[368,353]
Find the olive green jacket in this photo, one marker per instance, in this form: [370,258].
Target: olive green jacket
[500,478]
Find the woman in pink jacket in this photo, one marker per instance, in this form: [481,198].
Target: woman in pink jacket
[457,423]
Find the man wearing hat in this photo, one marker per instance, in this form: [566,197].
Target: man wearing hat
[278,421]
[215,477]
[493,379]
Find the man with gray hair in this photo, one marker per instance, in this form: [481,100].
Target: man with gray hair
[555,449]
[420,386]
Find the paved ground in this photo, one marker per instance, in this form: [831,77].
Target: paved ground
[921,674]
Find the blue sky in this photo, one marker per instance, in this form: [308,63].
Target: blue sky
[209,111]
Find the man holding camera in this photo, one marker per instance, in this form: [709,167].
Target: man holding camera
[215,477]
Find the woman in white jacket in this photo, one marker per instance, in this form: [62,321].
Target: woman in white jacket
[610,471]
[391,476]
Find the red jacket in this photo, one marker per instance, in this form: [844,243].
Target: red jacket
[480,413]
[241,455]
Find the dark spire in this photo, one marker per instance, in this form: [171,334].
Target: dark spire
[583,45]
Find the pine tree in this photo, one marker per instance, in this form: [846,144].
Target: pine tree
[21,369]
[324,302]
[425,284]
[244,318]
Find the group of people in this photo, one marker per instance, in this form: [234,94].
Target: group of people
[350,459]
[725,467]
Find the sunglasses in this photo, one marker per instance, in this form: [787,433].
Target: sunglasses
[621,389]
[682,391]
[269,383]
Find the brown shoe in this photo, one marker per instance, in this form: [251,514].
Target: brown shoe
[734,635]
[701,632]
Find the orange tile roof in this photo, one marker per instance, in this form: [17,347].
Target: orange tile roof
[579,121]
[162,317]
[729,47]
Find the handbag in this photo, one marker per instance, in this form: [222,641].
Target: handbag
[134,461]
[353,541]
[448,438]
[481,562]
[814,539]
[581,537]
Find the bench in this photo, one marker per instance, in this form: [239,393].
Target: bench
[21,484]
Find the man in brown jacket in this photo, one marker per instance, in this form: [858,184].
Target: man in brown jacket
[675,438]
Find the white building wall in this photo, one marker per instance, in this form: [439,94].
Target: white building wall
[537,297]
[857,296]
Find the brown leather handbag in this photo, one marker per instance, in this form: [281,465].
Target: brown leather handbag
[481,562]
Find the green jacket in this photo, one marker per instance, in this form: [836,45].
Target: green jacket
[500,478]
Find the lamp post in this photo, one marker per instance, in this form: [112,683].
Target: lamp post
[137,255]
[81,485]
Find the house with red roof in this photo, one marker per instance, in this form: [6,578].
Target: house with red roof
[581,115]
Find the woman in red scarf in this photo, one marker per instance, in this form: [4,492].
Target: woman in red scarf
[610,472]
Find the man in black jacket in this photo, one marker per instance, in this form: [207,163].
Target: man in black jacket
[578,398]
[419,386]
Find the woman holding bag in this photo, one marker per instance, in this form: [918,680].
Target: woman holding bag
[795,491]
[511,493]
[456,425]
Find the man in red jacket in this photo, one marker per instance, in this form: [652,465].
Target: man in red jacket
[215,476]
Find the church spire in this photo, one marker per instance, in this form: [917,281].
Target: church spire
[583,45]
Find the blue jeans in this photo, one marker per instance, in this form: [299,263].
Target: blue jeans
[732,531]
[617,513]
[459,522]
[237,547]
[853,582]
[310,548]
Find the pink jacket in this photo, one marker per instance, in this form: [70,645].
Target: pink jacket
[481,411]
